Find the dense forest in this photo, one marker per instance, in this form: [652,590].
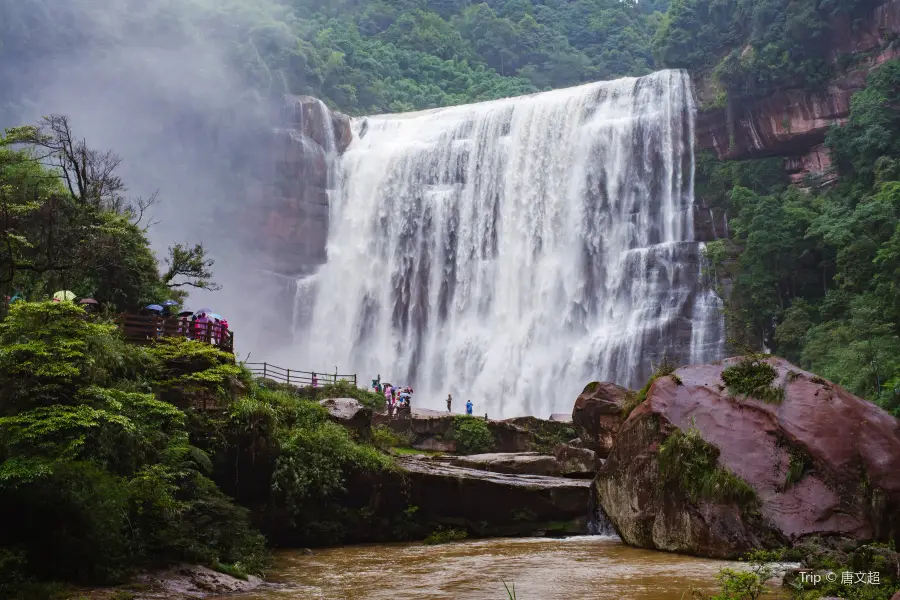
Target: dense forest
[360,57]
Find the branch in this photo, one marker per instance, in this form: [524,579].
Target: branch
[191,264]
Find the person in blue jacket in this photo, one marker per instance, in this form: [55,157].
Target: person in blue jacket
[469,407]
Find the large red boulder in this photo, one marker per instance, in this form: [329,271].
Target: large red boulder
[818,461]
[597,415]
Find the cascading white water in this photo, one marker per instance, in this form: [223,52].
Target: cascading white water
[509,252]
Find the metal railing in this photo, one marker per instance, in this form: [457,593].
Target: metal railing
[296,377]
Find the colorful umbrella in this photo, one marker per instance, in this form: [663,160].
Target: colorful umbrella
[202,311]
[88,301]
[64,296]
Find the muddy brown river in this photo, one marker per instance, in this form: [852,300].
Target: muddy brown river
[576,568]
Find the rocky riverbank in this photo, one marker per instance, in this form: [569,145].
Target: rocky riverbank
[181,582]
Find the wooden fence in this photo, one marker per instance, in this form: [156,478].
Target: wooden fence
[295,377]
[144,329]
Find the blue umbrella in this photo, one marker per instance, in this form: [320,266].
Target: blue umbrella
[170,303]
[214,316]
[155,307]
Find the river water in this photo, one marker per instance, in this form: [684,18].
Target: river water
[576,568]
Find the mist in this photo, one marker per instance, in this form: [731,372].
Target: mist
[159,86]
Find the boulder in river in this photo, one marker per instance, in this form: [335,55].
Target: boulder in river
[702,468]
[350,413]
[597,415]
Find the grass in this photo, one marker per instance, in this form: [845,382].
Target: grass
[233,570]
[635,399]
[510,592]
[795,471]
[753,377]
[690,463]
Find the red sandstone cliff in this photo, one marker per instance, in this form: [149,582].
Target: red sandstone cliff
[289,212]
[793,123]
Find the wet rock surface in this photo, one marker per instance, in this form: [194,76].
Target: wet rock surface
[289,214]
[494,503]
[181,582]
[843,454]
[528,463]
[350,413]
[597,415]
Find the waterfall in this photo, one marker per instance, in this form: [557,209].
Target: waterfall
[509,251]
[708,329]
[598,523]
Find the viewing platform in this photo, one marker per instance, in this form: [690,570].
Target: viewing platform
[144,329]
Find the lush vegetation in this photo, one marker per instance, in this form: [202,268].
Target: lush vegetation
[816,274]
[690,464]
[361,57]
[98,475]
[116,457]
[756,47]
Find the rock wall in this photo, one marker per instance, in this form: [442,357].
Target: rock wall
[793,123]
[496,504]
[290,207]
[821,462]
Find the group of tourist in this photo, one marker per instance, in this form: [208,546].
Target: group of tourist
[397,398]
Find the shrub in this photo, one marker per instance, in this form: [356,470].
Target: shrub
[688,462]
[472,435]
[753,377]
[444,536]
[385,438]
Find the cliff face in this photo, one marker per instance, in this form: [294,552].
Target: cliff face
[291,209]
[793,123]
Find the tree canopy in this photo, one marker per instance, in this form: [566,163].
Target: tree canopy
[360,57]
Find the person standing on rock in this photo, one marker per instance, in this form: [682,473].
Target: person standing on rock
[469,407]
[449,401]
